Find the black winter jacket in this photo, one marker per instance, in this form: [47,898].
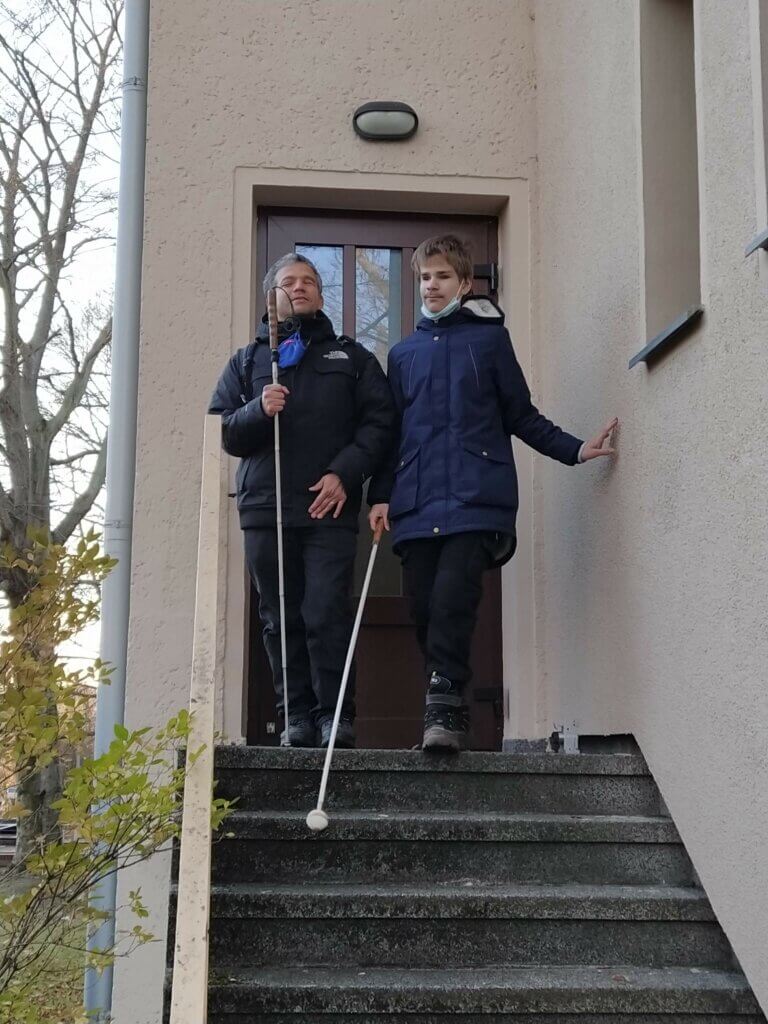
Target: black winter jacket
[338,418]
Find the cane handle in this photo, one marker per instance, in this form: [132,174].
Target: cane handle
[272,317]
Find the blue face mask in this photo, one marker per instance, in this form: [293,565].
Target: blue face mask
[451,307]
[291,351]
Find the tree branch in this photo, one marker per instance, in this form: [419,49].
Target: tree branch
[76,457]
[84,501]
[77,388]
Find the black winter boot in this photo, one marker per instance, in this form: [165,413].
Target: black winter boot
[345,734]
[446,721]
[301,732]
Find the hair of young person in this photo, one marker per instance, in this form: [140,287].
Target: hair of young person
[270,279]
[452,248]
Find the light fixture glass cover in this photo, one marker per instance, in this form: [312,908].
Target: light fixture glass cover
[385,121]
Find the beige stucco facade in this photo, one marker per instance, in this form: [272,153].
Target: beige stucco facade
[637,601]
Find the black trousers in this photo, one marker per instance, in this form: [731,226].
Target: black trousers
[319,563]
[444,578]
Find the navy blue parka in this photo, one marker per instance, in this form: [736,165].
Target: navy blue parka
[460,394]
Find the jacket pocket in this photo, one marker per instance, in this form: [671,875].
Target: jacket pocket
[255,481]
[485,474]
[406,487]
[331,394]
[342,365]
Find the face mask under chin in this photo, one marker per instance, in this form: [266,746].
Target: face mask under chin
[448,308]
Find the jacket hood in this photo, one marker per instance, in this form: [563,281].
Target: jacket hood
[474,309]
[314,327]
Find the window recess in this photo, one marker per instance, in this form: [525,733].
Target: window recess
[670,174]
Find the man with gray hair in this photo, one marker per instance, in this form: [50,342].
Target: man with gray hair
[336,419]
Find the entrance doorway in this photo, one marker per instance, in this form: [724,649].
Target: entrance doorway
[364,260]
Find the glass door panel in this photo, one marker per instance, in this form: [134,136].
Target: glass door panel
[329,260]
[378,299]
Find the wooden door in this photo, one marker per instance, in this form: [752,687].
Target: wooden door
[370,294]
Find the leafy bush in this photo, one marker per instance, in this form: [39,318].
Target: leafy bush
[112,811]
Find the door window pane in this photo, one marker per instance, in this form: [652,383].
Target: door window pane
[378,298]
[417,300]
[378,302]
[329,260]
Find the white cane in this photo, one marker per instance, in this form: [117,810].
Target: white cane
[317,819]
[272,318]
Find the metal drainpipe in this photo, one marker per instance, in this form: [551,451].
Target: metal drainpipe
[121,451]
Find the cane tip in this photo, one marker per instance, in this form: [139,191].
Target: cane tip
[317,820]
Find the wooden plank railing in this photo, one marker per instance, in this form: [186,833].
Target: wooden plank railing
[189,993]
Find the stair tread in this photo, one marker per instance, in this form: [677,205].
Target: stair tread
[302,759]
[608,977]
[466,898]
[494,825]
[446,890]
[562,989]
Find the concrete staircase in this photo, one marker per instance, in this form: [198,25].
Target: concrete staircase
[493,888]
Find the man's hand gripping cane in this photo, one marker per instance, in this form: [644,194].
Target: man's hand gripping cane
[273,396]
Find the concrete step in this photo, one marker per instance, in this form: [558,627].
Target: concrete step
[491,1018]
[285,780]
[367,846]
[445,944]
[442,944]
[276,758]
[464,926]
[463,900]
[532,992]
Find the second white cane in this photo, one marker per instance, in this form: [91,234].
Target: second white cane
[273,345]
[317,819]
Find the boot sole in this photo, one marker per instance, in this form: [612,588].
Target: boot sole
[309,739]
[340,744]
[439,739]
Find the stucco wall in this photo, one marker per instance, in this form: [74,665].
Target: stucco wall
[652,575]
[272,85]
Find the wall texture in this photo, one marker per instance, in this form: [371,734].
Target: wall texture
[652,575]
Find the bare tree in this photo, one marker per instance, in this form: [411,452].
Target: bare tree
[58,123]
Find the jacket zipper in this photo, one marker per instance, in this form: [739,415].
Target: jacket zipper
[474,364]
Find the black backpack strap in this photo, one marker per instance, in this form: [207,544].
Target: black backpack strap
[249,355]
[357,352]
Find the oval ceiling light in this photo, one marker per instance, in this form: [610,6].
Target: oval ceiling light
[385,122]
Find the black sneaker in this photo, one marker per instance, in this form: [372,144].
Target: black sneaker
[345,734]
[446,720]
[301,732]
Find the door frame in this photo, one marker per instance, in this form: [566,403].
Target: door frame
[387,619]
[525,705]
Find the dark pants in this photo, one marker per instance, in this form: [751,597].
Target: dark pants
[319,562]
[444,578]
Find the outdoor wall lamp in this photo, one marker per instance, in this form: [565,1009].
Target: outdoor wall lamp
[385,121]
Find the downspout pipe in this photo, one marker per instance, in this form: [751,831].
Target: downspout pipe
[121,449]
